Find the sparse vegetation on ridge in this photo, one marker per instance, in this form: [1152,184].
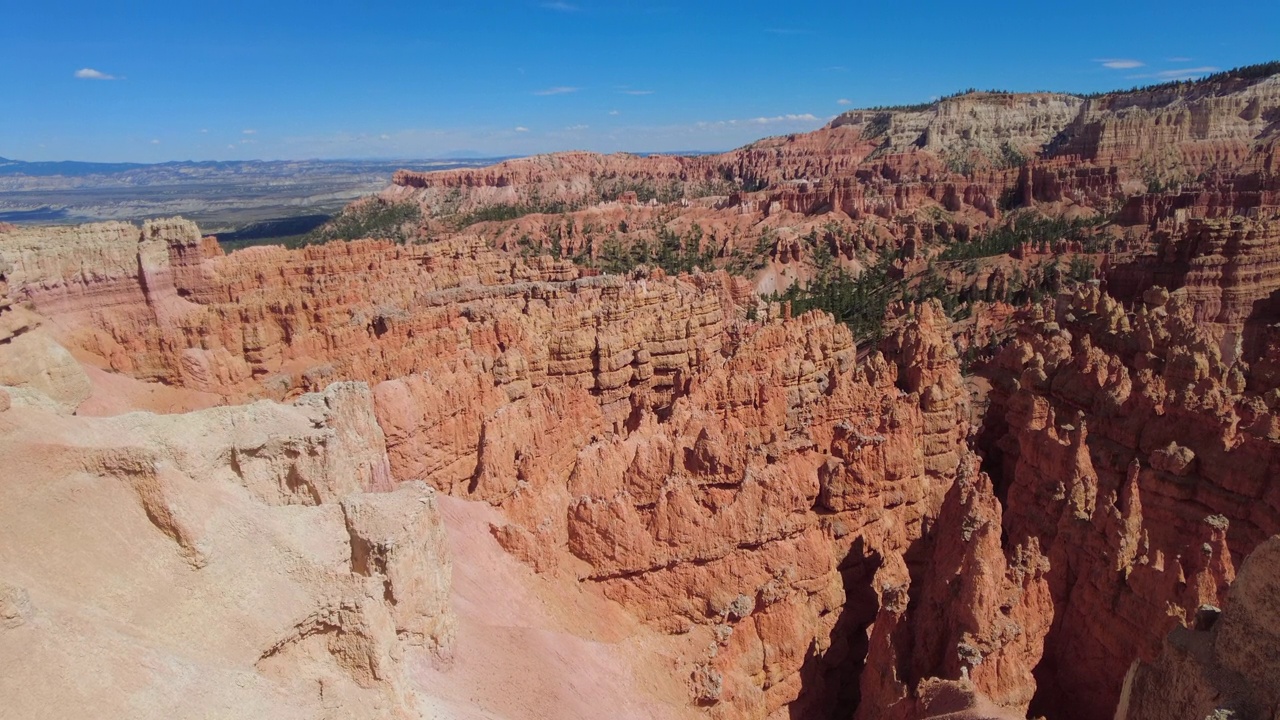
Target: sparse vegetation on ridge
[1258,71]
[377,219]
[1025,229]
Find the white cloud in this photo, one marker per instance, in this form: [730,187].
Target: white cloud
[805,117]
[1179,59]
[204,130]
[560,6]
[384,136]
[91,74]
[786,31]
[614,112]
[844,101]
[1184,73]
[1120,63]
[155,142]
[557,90]
[250,132]
[636,92]
[793,118]
[522,129]
[578,128]
[1177,74]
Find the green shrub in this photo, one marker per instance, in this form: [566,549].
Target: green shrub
[378,219]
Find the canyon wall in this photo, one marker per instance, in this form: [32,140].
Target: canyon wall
[1225,665]
[803,525]
[734,484]
[1131,453]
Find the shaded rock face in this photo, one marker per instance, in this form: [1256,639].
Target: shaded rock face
[1224,666]
[1228,270]
[747,518]
[1128,448]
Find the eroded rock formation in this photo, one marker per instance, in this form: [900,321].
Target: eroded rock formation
[775,519]
[1225,664]
[203,561]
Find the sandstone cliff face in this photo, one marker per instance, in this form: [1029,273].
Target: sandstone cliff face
[970,157]
[1227,270]
[30,361]
[1130,452]
[813,529]
[272,321]
[736,485]
[801,525]
[204,561]
[1175,133]
[972,121]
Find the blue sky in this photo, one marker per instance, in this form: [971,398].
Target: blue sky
[283,79]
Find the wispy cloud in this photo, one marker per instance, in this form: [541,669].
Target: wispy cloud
[155,142]
[1190,73]
[91,74]
[844,101]
[521,129]
[557,90]
[578,128]
[560,6]
[803,117]
[615,112]
[793,118]
[636,92]
[1178,59]
[1180,73]
[1120,63]
[786,31]
[249,131]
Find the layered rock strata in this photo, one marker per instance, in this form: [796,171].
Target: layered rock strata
[1129,450]
[736,484]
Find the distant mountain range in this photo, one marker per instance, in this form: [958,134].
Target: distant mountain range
[75,168]
[221,195]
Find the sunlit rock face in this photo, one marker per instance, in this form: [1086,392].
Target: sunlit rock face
[675,497]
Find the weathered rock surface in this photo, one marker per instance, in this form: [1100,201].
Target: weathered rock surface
[1131,453]
[793,524]
[202,562]
[1227,664]
[723,481]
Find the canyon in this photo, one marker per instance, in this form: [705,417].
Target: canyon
[529,463]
